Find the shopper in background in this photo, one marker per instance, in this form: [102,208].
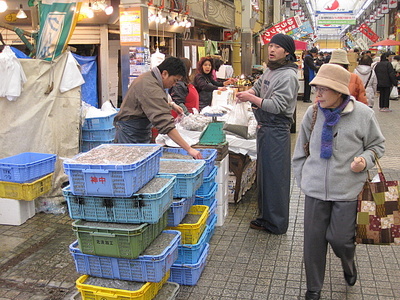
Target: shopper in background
[146,104]
[309,71]
[386,80]
[273,98]
[368,77]
[356,85]
[341,150]
[204,82]
[183,93]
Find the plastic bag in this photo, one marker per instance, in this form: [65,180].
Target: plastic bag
[394,93]
[238,120]
[222,97]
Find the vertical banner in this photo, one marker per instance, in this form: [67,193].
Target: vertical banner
[369,33]
[57,21]
[392,3]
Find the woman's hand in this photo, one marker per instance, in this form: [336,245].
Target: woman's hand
[177,108]
[194,153]
[358,164]
[222,88]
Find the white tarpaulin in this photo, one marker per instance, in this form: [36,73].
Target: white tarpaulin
[42,122]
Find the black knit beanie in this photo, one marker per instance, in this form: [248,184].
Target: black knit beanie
[287,43]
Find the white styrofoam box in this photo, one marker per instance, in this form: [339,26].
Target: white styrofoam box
[222,213]
[15,212]
[231,188]
[222,193]
[223,169]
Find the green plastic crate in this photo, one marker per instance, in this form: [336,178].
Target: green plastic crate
[117,240]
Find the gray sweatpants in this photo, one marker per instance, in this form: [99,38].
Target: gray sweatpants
[332,222]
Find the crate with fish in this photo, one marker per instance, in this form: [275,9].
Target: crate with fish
[209,156]
[169,291]
[117,239]
[190,253]
[88,145]
[26,167]
[189,274]
[208,198]
[150,266]
[97,288]
[27,191]
[208,183]
[193,224]
[178,210]
[146,206]
[116,170]
[189,175]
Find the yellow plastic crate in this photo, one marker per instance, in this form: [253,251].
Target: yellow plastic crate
[191,233]
[26,191]
[91,292]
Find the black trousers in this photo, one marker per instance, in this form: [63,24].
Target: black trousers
[384,96]
[307,88]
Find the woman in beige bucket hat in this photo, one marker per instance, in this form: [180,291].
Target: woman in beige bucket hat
[342,144]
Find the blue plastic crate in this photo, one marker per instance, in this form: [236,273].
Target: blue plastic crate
[115,180]
[151,268]
[208,183]
[140,208]
[186,183]
[190,253]
[97,123]
[98,135]
[26,167]
[178,210]
[88,145]
[212,211]
[208,198]
[189,274]
[209,156]
[211,228]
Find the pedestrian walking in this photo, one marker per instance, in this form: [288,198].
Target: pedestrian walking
[273,98]
[146,104]
[356,85]
[386,80]
[342,147]
[368,77]
[309,71]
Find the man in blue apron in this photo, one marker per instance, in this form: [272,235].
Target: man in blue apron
[273,99]
[146,104]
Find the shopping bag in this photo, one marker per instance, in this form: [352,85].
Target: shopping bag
[238,120]
[394,93]
[378,212]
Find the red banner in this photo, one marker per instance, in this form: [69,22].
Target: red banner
[282,27]
[369,33]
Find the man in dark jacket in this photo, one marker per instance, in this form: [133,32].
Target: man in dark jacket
[386,80]
[309,71]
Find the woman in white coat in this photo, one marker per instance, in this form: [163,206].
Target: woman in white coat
[367,75]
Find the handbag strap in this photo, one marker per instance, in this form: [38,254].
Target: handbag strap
[370,74]
[314,116]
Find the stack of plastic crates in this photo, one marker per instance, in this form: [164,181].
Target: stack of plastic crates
[23,178]
[97,131]
[122,246]
[195,248]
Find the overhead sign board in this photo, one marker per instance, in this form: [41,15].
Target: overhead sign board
[335,6]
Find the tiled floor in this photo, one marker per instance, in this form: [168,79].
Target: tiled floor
[243,263]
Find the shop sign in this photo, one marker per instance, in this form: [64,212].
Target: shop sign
[392,3]
[282,27]
[337,22]
[294,5]
[130,26]
[303,30]
[369,33]
[336,6]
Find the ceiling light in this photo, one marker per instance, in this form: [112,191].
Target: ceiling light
[3,6]
[109,10]
[21,14]
[89,12]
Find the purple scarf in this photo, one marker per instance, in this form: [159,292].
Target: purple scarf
[332,117]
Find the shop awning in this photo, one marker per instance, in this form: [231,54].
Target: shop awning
[300,45]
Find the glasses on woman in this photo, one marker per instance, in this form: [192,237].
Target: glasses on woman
[320,89]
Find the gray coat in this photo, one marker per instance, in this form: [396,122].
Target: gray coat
[356,134]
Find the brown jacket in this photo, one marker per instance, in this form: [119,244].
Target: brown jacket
[357,90]
[147,99]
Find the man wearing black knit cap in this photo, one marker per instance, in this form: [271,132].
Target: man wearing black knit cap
[273,98]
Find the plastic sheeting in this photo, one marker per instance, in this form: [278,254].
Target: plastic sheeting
[89,71]
[44,123]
